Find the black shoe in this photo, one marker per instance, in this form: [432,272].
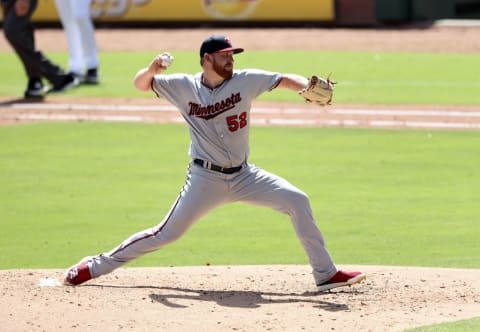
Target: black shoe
[67,82]
[91,77]
[35,88]
[79,77]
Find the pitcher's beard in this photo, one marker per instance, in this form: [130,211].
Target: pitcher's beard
[222,71]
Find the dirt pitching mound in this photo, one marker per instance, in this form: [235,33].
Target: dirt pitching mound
[236,298]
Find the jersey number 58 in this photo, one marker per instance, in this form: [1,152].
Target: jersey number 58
[236,121]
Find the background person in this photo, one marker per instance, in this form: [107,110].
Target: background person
[79,30]
[19,31]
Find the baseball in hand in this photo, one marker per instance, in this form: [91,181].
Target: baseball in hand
[165,60]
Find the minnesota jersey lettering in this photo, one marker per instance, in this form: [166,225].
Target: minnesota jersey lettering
[211,111]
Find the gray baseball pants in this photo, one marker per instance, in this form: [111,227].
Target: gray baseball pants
[205,190]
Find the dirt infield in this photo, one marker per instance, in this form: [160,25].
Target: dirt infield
[152,110]
[246,298]
[461,39]
[236,298]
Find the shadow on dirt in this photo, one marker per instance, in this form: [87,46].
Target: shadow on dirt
[243,299]
[11,102]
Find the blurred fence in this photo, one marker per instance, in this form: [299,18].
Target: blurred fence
[268,12]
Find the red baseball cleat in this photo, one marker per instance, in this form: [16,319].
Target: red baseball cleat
[78,273]
[341,279]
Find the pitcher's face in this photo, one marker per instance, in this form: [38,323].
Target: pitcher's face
[222,64]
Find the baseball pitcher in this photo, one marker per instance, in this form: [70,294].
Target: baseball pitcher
[216,105]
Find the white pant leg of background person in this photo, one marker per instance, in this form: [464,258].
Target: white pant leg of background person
[259,187]
[75,54]
[204,190]
[80,35]
[83,19]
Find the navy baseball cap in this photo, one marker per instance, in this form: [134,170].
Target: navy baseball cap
[218,43]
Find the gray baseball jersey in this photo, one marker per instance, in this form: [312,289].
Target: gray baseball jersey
[218,118]
[219,128]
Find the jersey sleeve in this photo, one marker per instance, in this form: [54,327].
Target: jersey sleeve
[171,87]
[260,81]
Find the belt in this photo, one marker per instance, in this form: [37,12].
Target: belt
[216,168]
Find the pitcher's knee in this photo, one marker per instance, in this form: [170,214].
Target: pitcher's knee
[168,236]
[298,200]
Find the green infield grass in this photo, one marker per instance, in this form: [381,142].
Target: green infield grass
[380,197]
[471,325]
[363,77]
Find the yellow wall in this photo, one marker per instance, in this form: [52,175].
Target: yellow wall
[200,10]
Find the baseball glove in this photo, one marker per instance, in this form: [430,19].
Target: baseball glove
[318,90]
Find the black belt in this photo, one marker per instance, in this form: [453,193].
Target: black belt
[216,168]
